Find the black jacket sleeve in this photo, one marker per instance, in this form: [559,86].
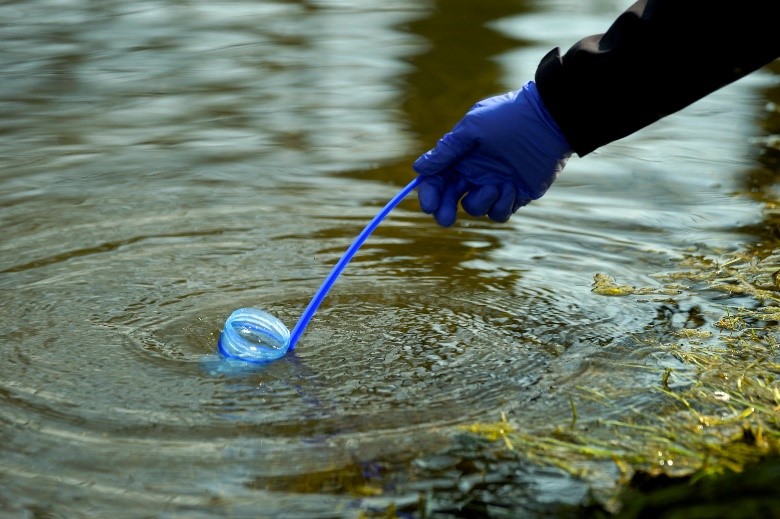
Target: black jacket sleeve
[657,57]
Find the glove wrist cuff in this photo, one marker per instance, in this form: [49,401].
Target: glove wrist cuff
[546,117]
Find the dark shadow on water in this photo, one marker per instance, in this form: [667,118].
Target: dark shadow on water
[455,69]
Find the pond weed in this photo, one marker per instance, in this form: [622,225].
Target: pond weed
[720,409]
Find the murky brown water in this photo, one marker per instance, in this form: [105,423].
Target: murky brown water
[163,163]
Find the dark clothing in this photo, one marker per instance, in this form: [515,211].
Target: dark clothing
[657,57]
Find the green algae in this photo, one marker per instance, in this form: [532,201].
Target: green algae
[720,406]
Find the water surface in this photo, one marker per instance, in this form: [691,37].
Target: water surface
[163,163]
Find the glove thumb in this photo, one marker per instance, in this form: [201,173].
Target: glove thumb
[447,152]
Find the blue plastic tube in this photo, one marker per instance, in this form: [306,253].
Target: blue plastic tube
[350,252]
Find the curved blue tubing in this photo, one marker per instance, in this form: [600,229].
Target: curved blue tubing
[334,273]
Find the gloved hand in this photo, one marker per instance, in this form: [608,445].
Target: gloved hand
[504,153]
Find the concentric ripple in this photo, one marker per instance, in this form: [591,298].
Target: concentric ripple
[165,163]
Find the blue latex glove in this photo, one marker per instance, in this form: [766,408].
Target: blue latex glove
[504,153]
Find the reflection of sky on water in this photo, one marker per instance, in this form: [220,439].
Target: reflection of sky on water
[187,85]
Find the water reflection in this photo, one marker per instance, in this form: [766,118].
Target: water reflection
[163,163]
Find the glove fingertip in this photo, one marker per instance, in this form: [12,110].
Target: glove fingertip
[503,208]
[429,196]
[478,202]
[446,215]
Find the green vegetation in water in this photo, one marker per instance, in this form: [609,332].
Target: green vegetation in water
[709,448]
[720,409]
